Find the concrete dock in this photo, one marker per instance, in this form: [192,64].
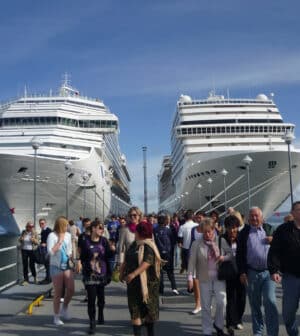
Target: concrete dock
[175,317]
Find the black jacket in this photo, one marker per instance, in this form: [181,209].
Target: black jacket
[241,251]
[44,235]
[284,253]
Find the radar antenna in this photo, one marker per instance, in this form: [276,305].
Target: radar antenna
[66,89]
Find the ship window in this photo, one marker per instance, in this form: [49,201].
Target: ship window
[22,170]
[272,164]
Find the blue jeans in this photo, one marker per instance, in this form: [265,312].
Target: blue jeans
[261,289]
[290,302]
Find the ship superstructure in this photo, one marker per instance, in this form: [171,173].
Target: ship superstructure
[210,139]
[79,161]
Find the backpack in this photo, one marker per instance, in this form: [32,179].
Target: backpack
[163,241]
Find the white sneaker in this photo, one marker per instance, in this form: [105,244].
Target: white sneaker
[57,321]
[64,313]
[239,326]
[196,310]
[175,291]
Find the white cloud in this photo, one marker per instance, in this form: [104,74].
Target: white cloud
[163,74]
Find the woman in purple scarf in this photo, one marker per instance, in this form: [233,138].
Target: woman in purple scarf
[203,263]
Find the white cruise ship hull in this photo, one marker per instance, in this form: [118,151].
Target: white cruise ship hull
[17,190]
[269,181]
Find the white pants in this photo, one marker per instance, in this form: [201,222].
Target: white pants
[207,291]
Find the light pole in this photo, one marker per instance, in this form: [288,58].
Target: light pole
[68,165]
[199,186]
[288,138]
[145,180]
[186,203]
[95,201]
[210,181]
[85,177]
[35,143]
[247,161]
[224,173]
[103,204]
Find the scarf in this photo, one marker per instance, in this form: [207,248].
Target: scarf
[131,227]
[158,261]
[213,250]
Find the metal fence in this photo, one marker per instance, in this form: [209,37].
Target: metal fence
[9,261]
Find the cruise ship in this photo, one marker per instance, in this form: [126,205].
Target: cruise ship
[60,155]
[228,153]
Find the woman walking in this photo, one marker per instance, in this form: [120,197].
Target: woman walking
[235,290]
[28,241]
[59,247]
[126,234]
[141,271]
[204,259]
[94,257]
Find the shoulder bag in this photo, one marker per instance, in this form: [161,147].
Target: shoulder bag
[226,269]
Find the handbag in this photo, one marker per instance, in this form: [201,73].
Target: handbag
[226,270]
[116,275]
[71,264]
[40,255]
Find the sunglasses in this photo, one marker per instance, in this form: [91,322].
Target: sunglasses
[133,215]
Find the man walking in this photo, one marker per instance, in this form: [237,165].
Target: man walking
[251,257]
[45,231]
[184,238]
[165,241]
[284,256]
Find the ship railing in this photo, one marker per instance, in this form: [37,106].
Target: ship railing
[223,101]
[7,103]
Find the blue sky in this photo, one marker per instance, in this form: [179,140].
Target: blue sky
[139,56]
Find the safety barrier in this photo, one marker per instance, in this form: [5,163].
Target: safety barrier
[36,302]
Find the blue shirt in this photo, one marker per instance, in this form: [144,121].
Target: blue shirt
[257,249]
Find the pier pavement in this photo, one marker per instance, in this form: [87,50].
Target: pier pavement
[175,317]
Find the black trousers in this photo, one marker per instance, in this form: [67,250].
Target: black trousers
[169,269]
[236,301]
[47,268]
[93,292]
[27,258]
[185,253]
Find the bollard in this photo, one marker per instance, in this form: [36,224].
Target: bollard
[36,302]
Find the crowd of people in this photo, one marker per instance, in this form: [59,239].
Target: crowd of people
[225,259]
